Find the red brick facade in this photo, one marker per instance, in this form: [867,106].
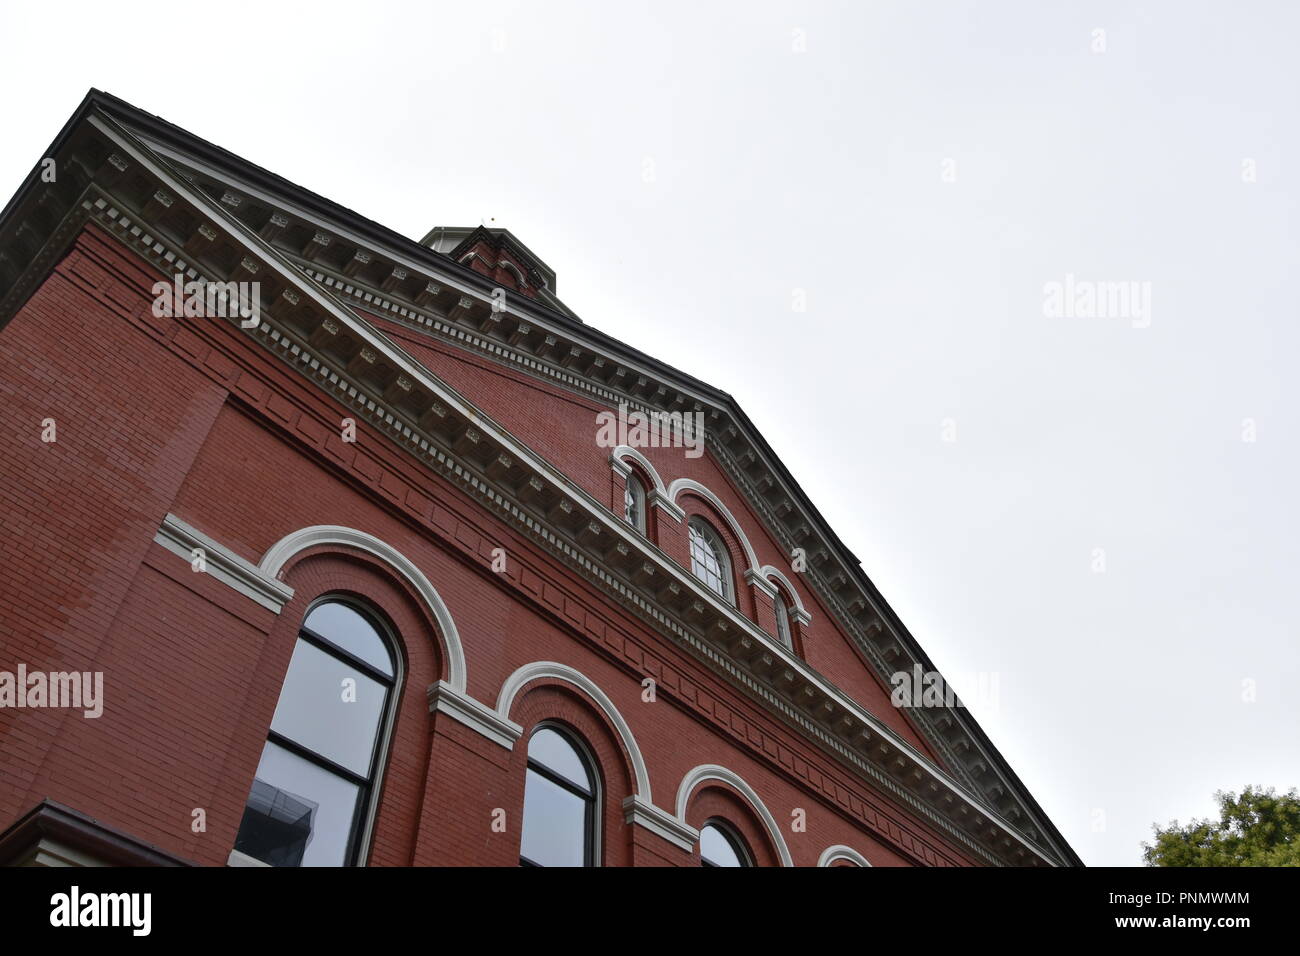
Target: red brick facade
[172,415]
[190,420]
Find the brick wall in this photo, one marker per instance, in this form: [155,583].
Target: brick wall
[562,426]
[190,417]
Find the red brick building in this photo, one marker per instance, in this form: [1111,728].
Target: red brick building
[365,583]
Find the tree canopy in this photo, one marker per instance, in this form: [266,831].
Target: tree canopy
[1258,828]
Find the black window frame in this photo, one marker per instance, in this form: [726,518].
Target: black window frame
[365,785]
[784,625]
[721,554]
[589,799]
[639,498]
[733,839]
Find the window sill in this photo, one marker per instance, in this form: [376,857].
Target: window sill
[243,859]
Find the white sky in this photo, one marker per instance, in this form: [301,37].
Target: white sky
[1118,692]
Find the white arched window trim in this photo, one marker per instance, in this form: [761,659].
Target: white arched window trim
[515,271]
[639,808]
[550,670]
[706,772]
[833,854]
[683,485]
[656,494]
[284,550]
[769,573]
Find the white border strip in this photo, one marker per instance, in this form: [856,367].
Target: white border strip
[477,716]
[659,822]
[181,539]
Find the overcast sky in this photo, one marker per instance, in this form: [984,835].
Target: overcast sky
[1071,504]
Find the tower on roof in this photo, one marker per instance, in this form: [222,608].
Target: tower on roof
[496,254]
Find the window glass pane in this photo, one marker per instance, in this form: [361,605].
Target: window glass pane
[633,503]
[555,824]
[783,621]
[317,711]
[350,630]
[298,814]
[557,755]
[716,849]
[707,561]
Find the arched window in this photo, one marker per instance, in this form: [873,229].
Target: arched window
[634,503]
[719,846]
[782,609]
[559,803]
[709,561]
[314,789]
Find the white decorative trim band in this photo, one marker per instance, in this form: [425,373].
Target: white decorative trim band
[477,716]
[659,822]
[243,859]
[770,573]
[756,580]
[660,501]
[182,540]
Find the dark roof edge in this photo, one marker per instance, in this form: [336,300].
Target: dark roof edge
[497,234]
[896,623]
[108,844]
[83,108]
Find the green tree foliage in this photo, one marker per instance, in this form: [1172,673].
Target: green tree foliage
[1259,828]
